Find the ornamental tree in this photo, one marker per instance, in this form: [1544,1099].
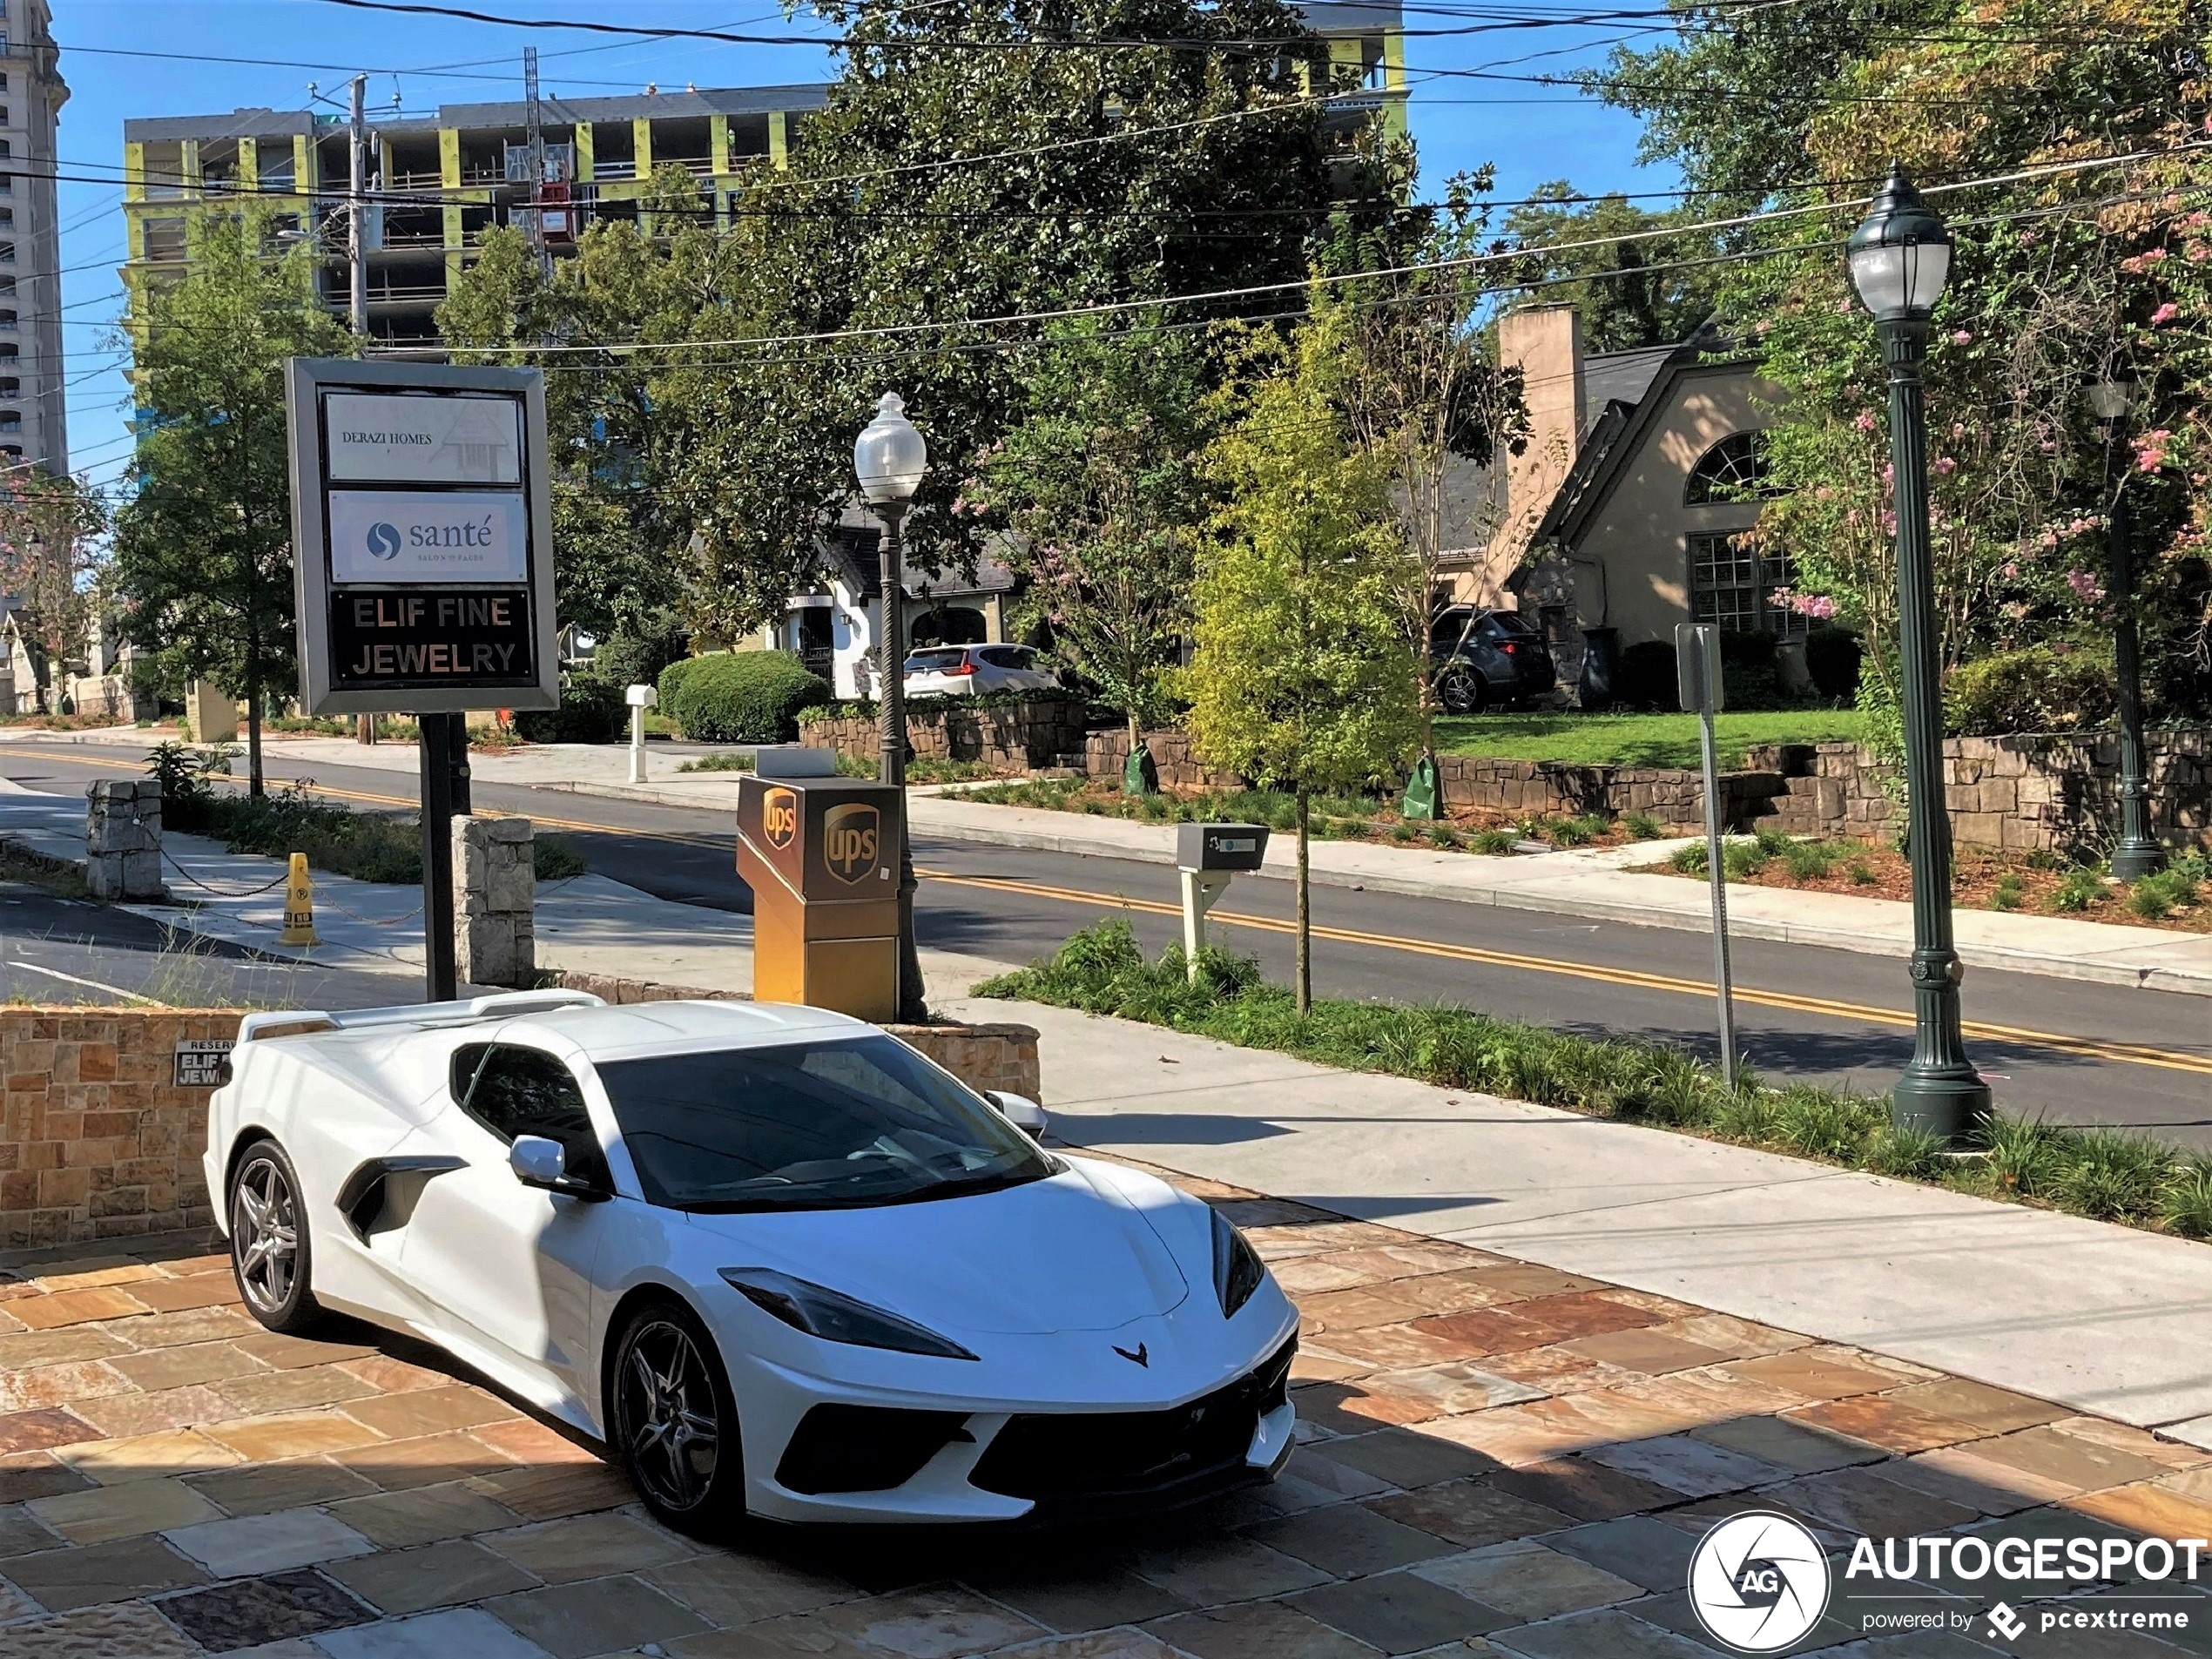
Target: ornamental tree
[1301,676]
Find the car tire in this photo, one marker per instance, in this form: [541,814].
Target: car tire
[667,1374]
[271,1255]
[1461,691]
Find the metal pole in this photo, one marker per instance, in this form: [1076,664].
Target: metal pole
[891,705]
[357,206]
[440,983]
[2138,853]
[1716,867]
[1940,1091]
[534,132]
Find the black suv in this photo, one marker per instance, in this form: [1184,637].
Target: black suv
[1485,657]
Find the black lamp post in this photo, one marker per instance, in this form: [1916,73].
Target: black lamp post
[1900,257]
[2138,853]
[890,458]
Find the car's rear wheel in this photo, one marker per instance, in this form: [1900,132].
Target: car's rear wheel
[270,1249]
[676,1421]
[1461,690]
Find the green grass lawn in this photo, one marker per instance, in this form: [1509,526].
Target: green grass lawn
[1637,739]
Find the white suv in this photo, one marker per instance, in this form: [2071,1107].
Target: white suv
[963,670]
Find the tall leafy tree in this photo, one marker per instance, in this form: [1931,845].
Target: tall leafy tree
[1301,676]
[203,544]
[1099,486]
[51,560]
[1629,292]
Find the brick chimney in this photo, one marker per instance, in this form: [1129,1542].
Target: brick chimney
[1545,343]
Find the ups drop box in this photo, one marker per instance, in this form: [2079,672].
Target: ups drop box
[821,856]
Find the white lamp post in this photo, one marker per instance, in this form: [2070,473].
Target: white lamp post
[889,459]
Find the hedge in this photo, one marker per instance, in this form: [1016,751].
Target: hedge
[740,696]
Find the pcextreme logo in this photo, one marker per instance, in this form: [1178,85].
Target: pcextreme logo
[1758,1582]
[779,817]
[850,836]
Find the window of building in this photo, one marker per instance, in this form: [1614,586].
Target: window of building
[1735,470]
[7,320]
[10,420]
[13,451]
[7,252]
[7,218]
[1732,583]
[3,115]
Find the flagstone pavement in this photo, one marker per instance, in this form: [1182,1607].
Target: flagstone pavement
[1496,1457]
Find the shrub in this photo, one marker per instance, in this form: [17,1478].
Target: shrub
[1909,1154]
[1688,859]
[2024,1156]
[1748,676]
[1643,826]
[2186,1205]
[2113,1177]
[592,710]
[1810,860]
[2037,688]
[1646,676]
[740,696]
[637,655]
[2008,894]
[2078,889]
[1443,838]
[554,857]
[1832,658]
[1493,841]
[1741,860]
[1862,873]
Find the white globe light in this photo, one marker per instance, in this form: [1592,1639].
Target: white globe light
[890,458]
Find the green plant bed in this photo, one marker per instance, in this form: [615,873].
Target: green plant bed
[2099,1173]
[1637,740]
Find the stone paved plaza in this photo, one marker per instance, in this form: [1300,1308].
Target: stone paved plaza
[1499,1458]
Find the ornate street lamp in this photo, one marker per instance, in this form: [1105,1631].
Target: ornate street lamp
[890,458]
[2138,853]
[1900,258]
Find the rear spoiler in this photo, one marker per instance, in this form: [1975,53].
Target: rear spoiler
[504,1006]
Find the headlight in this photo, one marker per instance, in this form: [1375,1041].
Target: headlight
[834,1317]
[1236,1269]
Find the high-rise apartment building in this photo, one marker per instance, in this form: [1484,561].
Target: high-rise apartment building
[34,422]
[441,182]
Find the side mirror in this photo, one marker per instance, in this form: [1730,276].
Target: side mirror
[538,1162]
[1021,1111]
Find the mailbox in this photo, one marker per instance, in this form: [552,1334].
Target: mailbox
[1207,855]
[821,856]
[1220,846]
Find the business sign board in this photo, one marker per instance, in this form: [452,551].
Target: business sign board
[421,527]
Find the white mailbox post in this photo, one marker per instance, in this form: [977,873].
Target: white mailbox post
[641,698]
[1207,855]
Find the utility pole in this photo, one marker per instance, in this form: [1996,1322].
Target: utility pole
[357,206]
[534,130]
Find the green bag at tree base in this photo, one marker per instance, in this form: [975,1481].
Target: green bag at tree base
[1420,805]
[1140,773]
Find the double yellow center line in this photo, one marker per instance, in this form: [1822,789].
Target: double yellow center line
[1594,973]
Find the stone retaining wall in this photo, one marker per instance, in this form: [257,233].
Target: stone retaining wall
[96,1139]
[1015,736]
[2022,793]
[1105,753]
[1533,788]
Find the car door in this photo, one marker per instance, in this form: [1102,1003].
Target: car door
[509,1267]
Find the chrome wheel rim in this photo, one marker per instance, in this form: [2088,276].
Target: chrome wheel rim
[265,1235]
[1455,690]
[673,1435]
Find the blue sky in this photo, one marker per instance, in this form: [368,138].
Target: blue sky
[1533,134]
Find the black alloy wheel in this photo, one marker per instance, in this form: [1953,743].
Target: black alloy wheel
[1461,690]
[676,1423]
[269,1244]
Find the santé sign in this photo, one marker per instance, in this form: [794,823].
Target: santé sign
[422,534]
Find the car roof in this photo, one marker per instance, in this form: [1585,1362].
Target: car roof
[634,1029]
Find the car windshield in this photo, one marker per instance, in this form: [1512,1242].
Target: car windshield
[810,1126]
[932,662]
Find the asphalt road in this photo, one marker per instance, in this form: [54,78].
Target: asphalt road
[2074,1053]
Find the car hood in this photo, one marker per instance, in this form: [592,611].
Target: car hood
[1065,1253]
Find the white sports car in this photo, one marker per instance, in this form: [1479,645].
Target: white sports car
[775,1259]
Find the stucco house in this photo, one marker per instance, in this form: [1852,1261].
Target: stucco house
[1626,512]
[833,625]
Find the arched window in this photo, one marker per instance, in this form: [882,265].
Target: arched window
[1732,470]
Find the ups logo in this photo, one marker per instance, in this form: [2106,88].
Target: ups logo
[851,836]
[779,817]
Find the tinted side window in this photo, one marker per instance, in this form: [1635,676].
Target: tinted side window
[514,1091]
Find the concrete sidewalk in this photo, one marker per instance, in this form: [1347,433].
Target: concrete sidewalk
[2102,1319]
[587,923]
[1592,883]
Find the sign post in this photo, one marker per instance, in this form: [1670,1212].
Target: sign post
[424,568]
[1697,668]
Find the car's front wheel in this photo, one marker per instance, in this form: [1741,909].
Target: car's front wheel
[676,1422]
[1461,690]
[270,1249]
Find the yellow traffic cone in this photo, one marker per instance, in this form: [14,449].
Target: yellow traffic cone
[299,905]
